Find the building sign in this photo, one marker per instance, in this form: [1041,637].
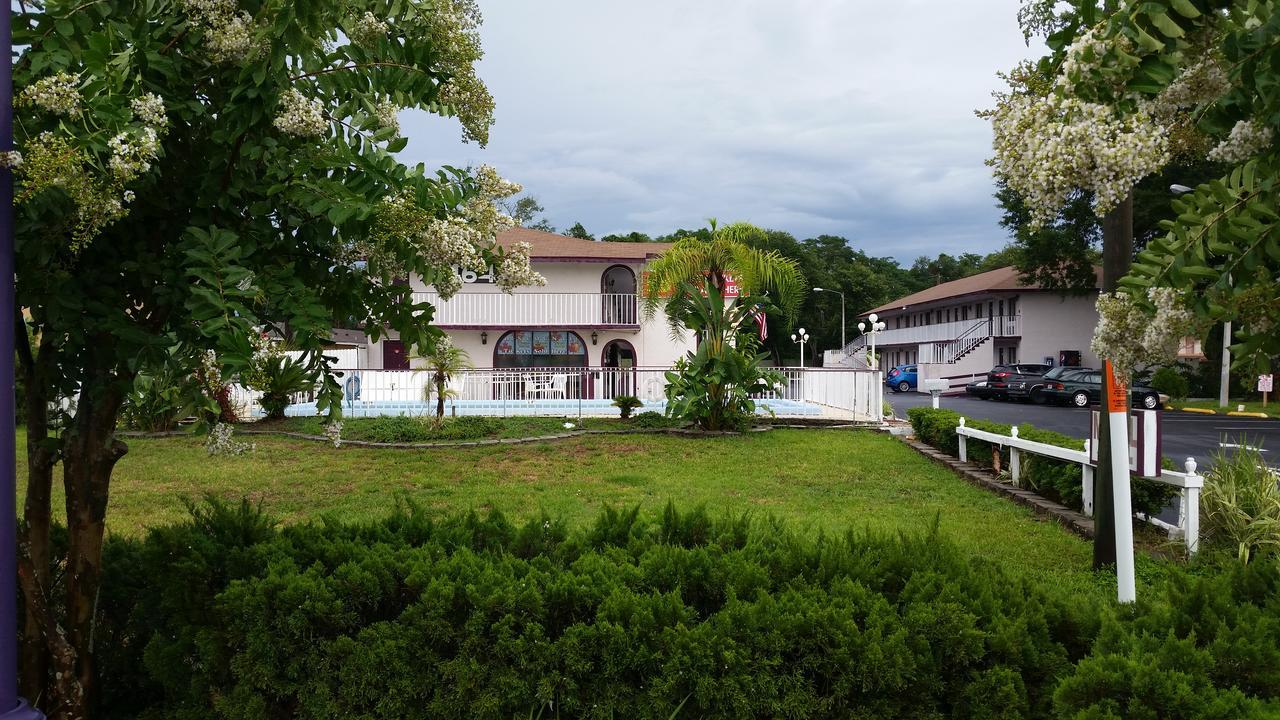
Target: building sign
[1265,383]
[1144,442]
[471,276]
[730,286]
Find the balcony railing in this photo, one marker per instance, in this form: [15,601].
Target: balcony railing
[480,309]
[998,326]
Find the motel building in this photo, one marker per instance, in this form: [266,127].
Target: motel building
[569,347]
[582,336]
[959,330]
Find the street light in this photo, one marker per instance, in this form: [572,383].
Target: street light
[1224,374]
[800,339]
[842,342]
[872,331]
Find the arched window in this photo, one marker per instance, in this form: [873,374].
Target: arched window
[539,349]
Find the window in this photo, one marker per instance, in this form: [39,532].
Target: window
[899,325]
[1002,308]
[978,310]
[948,314]
[539,349]
[1000,353]
[1013,354]
[1013,306]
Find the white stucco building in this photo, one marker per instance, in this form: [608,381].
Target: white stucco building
[959,330]
[588,315]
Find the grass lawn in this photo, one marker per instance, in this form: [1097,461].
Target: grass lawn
[819,480]
[412,428]
[1272,408]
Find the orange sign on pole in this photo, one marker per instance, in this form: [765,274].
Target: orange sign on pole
[1117,401]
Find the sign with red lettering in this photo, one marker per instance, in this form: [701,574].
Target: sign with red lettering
[1118,393]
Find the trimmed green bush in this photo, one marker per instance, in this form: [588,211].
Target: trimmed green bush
[1170,382]
[1056,480]
[228,616]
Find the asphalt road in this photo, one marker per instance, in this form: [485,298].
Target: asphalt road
[1185,434]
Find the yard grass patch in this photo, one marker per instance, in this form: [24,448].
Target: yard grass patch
[818,480]
[1254,406]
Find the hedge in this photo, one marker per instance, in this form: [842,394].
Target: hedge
[1054,479]
[226,616]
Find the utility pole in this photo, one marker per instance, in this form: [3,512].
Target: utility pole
[1117,255]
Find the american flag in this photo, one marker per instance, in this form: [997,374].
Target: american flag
[762,321]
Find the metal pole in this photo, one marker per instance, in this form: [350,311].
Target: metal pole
[12,707]
[842,341]
[1224,382]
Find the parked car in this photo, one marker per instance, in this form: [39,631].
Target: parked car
[1001,378]
[1085,388]
[978,389]
[902,378]
[1033,389]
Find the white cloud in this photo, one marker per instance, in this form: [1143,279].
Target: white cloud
[850,118]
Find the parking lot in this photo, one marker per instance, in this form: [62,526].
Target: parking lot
[1185,434]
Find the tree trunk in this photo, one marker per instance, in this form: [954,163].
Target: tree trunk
[439,397]
[34,554]
[90,452]
[1117,255]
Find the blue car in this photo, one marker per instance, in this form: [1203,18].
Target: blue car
[902,378]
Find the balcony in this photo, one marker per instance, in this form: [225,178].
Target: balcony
[497,310]
[999,326]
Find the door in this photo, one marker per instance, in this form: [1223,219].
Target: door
[618,363]
[618,296]
[393,355]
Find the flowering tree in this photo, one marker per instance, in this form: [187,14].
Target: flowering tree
[1124,92]
[191,172]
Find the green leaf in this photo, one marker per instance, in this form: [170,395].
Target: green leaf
[1185,8]
[1166,25]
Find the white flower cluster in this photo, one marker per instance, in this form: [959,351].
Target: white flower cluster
[56,93]
[368,30]
[228,31]
[220,442]
[10,160]
[300,116]
[453,28]
[1200,83]
[1247,139]
[333,431]
[515,271]
[1086,54]
[387,114]
[210,372]
[132,153]
[1045,148]
[149,109]
[1129,336]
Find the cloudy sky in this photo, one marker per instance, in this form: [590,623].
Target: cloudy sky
[853,117]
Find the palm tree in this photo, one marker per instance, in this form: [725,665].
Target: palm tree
[708,265]
[444,360]
[713,384]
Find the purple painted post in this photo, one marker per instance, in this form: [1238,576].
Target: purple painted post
[12,707]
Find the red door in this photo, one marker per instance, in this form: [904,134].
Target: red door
[394,356]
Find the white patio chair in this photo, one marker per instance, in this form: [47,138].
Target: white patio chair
[558,387]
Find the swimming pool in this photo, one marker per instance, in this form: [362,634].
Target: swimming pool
[544,407]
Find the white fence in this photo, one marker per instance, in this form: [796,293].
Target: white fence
[503,390]
[498,309]
[1188,525]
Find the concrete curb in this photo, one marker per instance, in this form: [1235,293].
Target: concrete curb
[1063,515]
[1198,411]
[1237,413]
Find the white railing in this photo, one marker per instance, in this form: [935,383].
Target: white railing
[1190,483]
[558,309]
[999,326]
[499,390]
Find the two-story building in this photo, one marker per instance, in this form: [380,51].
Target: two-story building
[958,330]
[588,315]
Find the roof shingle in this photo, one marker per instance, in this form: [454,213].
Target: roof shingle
[550,246]
[1005,278]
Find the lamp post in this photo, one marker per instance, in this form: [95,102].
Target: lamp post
[12,707]
[1224,374]
[800,337]
[843,345]
[872,331]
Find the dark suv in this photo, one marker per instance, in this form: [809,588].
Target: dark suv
[1002,380]
[1033,389]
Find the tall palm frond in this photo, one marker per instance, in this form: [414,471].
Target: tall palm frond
[705,264]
